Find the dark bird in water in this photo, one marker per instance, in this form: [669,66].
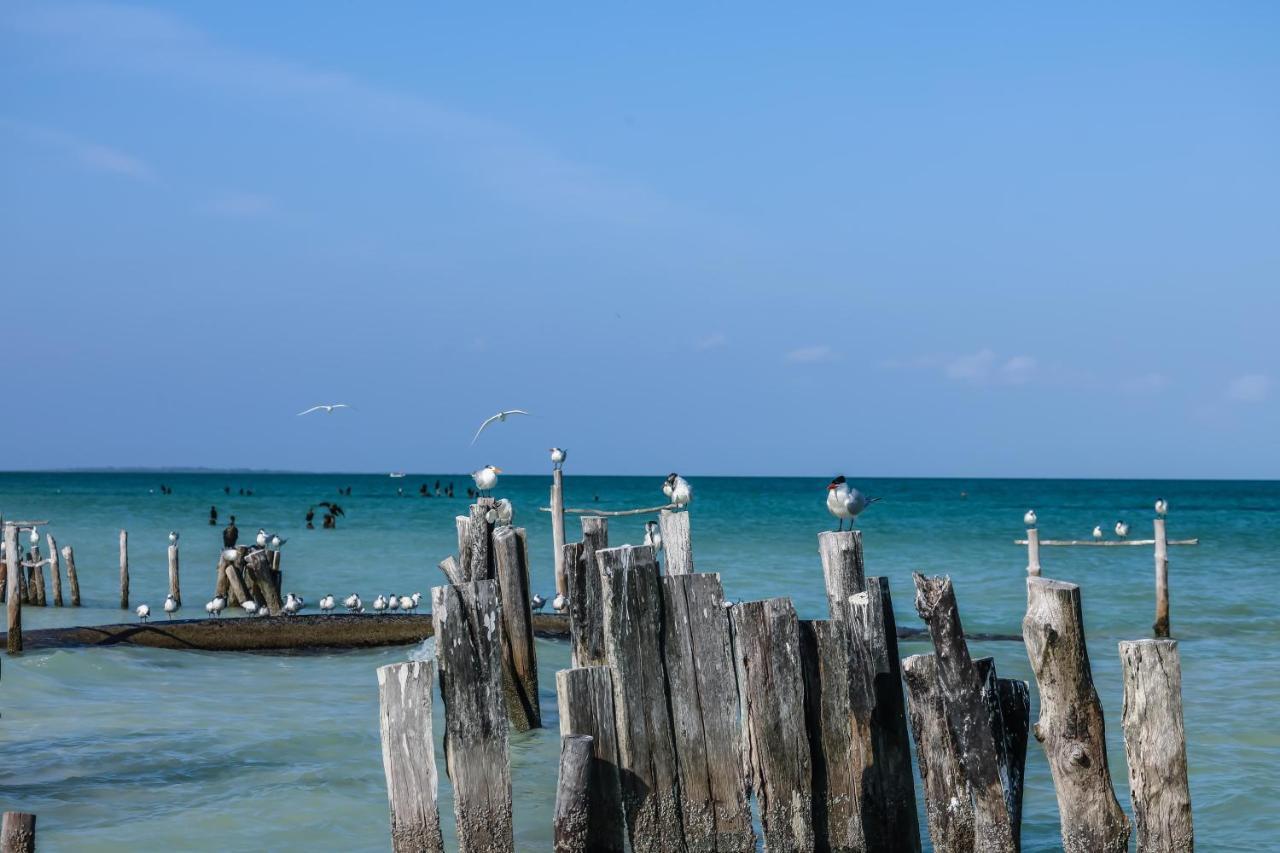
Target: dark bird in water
[333,508]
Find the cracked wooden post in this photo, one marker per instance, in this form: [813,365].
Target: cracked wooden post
[236,592]
[1161,625]
[73,580]
[767,650]
[469,654]
[838,700]
[408,756]
[124,570]
[258,573]
[1033,552]
[1155,745]
[842,568]
[38,592]
[571,823]
[1014,697]
[676,544]
[557,531]
[220,587]
[55,569]
[968,715]
[175,587]
[13,588]
[697,650]
[586,617]
[476,555]
[646,750]
[890,820]
[519,657]
[1071,724]
[585,696]
[948,805]
[18,833]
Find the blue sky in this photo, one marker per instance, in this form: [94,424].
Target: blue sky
[1006,240]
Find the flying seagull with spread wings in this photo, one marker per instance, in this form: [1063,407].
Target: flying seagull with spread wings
[501,416]
[328,408]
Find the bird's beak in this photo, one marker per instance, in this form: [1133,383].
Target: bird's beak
[497,470]
[831,487]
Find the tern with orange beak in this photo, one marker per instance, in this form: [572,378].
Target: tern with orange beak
[486,478]
[846,503]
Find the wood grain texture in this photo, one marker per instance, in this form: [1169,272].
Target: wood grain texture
[124,570]
[18,833]
[677,546]
[1161,625]
[476,557]
[586,609]
[175,584]
[1155,745]
[585,697]
[13,589]
[408,756]
[557,530]
[1071,725]
[572,819]
[842,568]
[55,570]
[519,657]
[73,579]
[948,802]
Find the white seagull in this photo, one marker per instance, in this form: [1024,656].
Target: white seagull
[277,542]
[292,604]
[1162,507]
[559,603]
[393,602]
[1122,529]
[352,602]
[1097,533]
[144,612]
[380,603]
[1030,518]
[653,535]
[486,478]
[35,536]
[216,606]
[170,606]
[262,538]
[846,503]
[173,537]
[537,602]
[416,598]
[558,455]
[505,511]
[327,407]
[250,607]
[501,416]
[677,490]
[326,603]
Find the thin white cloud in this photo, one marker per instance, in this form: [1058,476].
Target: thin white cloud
[810,355]
[241,205]
[1250,388]
[985,367]
[91,155]
[715,340]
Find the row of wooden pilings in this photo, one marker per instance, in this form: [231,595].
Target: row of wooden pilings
[679,711]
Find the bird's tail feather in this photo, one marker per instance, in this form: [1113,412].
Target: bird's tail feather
[871,501]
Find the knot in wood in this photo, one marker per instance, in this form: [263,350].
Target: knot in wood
[1035,730]
[1077,755]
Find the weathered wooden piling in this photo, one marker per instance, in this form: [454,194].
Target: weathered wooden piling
[73,580]
[697,651]
[13,588]
[469,653]
[632,626]
[55,570]
[18,833]
[557,531]
[1033,552]
[1014,696]
[124,570]
[948,804]
[767,650]
[842,568]
[476,556]
[1071,725]
[519,657]
[968,715]
[220,585]
[890,820]
[259,575]
[1161,625]
[572,821]
[408,756]
[39,595]
[585,698]
[175,588]
[451,570]
[1155,745]
[838,698]
[236,592]
[586,613]
[676,544]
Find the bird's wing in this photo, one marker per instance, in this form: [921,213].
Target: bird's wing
[515,412]
[339,406]
[485,424]
[310,410]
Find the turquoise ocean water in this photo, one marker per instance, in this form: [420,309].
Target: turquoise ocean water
[138,749]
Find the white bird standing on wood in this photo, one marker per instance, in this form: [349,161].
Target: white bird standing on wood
[1122,529]
[417,600]
[249,606]
[292,604]
[380,603]
[173,537]
[35,536]
[504,510]
[846,503]
[1162,507]
[560,603]
[327,407]
[558,455]
[1030,518]
[486,478]
[537,602]
[216,606]
[170,606]
[262,538]
[352,603]
[499,418]
[1097,533]
[677,489]
[326,603]
[653,535]
[144,612]
[276,542]
[393,602]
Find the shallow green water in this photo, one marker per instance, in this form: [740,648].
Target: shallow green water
[127,749]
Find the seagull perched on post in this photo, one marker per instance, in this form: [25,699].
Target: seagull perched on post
[500,417]
[677,489]
[327,407]
[173,537]
[653,535]
[1162,507]
[35,536]
[846,503]
[1122,529]
[1097,533]
[263,538]
[1030,518]
[486,478]
[144,612]
[276,542]
[558,455]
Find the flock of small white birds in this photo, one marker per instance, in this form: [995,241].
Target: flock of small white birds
[1121,527]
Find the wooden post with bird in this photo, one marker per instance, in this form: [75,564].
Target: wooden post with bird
[585,699]
[55,569]
[18,833]
[476,556]
[124,570]
[1155,745]
[1071,727]
[408,756]
[175,588]
[519,656]
[842,568]
[676,542]
[571,825]
[697,650]
[586,609]
[13,587]
[73,580]
[469,655]
[557,530]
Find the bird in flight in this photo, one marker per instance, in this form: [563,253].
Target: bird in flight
[328,408]
[501,416]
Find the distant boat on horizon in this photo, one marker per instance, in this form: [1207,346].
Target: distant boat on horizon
[396,475]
